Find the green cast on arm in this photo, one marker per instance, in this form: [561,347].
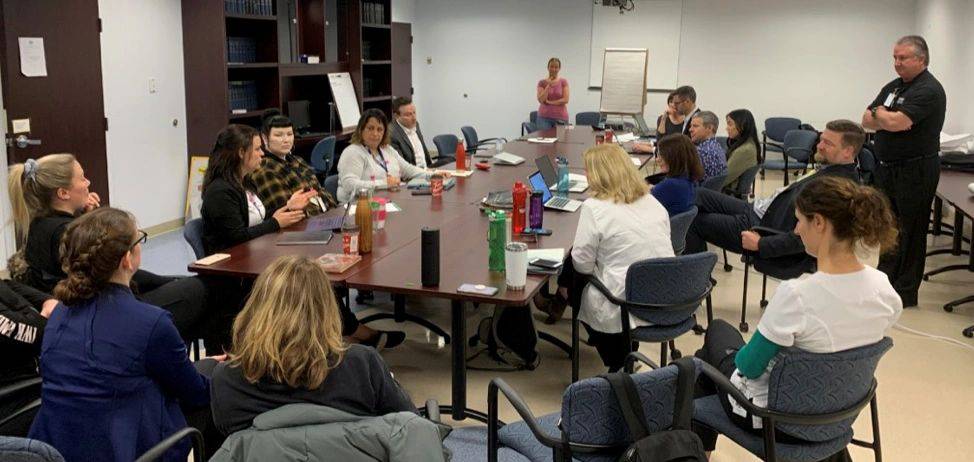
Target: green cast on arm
[752,360]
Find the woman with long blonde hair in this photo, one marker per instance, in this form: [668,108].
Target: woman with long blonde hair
[288,348]
[620,223]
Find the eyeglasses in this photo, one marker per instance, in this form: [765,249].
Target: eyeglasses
[143,238]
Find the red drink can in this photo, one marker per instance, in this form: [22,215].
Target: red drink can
[599,139]
[608,135]
[350,240]
[436,185]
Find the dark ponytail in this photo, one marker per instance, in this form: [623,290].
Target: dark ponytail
[91,249]
[858,213]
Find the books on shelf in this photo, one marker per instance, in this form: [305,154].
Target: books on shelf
[243,96]
[241,50]
[254,7]
[373,13]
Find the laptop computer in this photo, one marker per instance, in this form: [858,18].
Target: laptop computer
[333,223]
[538,183]
[547,169]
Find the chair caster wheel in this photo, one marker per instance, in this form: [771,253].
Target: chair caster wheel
[698,329]
[743,327]
[676,354]
[728,268]
[926,278]
[949,308]
[764,303]
[969,332]
[473,341]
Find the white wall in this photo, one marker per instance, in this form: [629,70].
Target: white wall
[7,242]
[146,154]
[404,11]
[946,25]
[813,60]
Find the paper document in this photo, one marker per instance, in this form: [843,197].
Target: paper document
[626,137]
[637,161]
[390,207]
[557,254]
[542,140]
[949,142]
[32,60]
[457,173]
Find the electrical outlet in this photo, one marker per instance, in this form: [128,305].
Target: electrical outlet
[153,88]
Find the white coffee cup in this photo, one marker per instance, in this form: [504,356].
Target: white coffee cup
[516,265]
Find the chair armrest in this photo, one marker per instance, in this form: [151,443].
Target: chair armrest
[19,386]
[158,450]
[432,410]
[664,307]
[522,409]
[724,384]
[491,140]
[764,231]
[637,356]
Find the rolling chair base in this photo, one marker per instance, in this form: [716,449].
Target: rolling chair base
[399,315]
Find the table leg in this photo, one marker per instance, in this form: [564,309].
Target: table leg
[938,216]
[459,359]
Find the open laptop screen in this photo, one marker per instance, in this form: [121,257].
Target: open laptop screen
[547,170]
[538,184]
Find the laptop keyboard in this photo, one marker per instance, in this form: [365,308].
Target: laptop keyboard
[558,202]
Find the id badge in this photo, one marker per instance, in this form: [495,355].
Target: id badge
[890,98]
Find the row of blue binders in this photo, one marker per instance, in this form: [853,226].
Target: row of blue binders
[241,50]
[243,95]
[256,7]
[373,13]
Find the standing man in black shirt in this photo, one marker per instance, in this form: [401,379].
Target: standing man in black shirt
[908,115]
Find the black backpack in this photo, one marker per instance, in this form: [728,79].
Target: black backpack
[957,161]
[679,443]
[510,341]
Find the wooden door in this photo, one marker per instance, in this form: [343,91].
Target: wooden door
[66,107]
[402,59]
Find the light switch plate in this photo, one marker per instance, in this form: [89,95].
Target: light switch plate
[20,126]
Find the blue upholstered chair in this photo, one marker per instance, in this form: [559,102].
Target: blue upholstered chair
[722,140]
[14,449]
[773,138]
[528,127]
[474,143]
[663,291]
[866,161]
[323,156]
[533,117]
[158,450]
[193,233]
[800,146]
[593,119]
[679,226]
[445,144]
[590,426]
[811,396]
[745,185]
[714,183]
[331,185]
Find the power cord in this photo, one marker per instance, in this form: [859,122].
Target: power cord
[932,336]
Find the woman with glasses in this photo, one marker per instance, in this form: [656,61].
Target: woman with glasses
[116,374]
[48,194]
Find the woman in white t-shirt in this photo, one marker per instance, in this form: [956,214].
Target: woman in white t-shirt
[844,305]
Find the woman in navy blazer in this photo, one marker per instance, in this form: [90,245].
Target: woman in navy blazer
[679,161]
[115,371]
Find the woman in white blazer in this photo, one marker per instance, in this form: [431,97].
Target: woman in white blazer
[369,161]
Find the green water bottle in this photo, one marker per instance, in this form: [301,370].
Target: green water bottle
[496,237]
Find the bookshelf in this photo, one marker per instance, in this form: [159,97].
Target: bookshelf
[263,46]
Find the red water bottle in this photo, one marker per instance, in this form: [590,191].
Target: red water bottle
[461,155]
[609,135]
[520,194]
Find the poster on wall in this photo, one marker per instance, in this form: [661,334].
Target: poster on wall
[194,187]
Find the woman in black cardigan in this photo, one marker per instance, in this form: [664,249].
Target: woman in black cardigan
[233,214]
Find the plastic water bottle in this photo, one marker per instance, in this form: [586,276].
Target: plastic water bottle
[562,177]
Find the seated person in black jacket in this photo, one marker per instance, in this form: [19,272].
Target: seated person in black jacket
[23,315]
[233,214]
[288,348]
[727,222]
[49,193]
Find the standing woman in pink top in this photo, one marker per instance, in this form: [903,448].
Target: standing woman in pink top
[553,97]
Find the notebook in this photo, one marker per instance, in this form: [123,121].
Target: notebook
[318,237]
[506,158]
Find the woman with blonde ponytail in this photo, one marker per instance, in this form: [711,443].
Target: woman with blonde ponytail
[844,305]
[116,374]
[48,194]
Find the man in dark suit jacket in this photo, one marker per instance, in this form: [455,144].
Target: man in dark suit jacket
[407,138]
[727,222]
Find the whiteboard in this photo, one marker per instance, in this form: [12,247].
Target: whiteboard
[654,24]
[343,92]
[624,81]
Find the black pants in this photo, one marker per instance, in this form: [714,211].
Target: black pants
[720,346]
[720,220]
[910,187]
[612,348]
[349,321]
[201,418]
[184,297]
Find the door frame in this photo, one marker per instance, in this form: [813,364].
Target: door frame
[8,245]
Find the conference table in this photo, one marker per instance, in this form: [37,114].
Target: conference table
[952,189]
[393,266]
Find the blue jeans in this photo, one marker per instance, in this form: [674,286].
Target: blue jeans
[546,123]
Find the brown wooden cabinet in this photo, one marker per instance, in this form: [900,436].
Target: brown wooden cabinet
[229,55]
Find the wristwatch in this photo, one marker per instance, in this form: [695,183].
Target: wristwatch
[873,111]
